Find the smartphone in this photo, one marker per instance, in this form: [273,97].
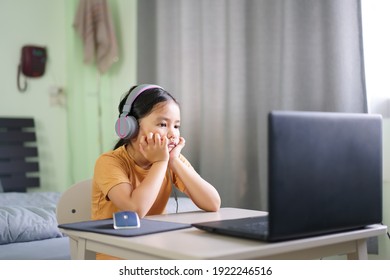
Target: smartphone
[126,220]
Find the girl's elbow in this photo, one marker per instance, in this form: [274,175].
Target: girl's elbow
[142,213]
[214,207]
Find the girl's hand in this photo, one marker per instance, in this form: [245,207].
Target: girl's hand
[175,152]
[154,147]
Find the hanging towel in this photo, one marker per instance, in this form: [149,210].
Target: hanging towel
[93,22]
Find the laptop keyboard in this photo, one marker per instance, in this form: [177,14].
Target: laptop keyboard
[256,225]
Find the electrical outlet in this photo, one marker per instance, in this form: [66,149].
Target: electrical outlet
[56,96]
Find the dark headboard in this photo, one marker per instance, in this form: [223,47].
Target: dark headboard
[19,165]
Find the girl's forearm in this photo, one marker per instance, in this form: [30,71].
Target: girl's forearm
[145,194]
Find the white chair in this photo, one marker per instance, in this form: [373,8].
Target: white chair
[74,206]
[75,203]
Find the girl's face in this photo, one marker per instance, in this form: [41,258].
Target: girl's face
[164,120]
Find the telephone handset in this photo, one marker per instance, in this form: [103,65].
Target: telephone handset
[32,63]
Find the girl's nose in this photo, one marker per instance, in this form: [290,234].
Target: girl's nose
[171,135]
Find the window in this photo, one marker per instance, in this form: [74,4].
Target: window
[376,45]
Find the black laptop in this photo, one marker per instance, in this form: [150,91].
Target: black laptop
[324,176]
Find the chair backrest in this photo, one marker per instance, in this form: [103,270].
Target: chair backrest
[75,203]
[18,154]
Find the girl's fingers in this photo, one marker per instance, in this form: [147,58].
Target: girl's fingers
[157,138]
[149,137]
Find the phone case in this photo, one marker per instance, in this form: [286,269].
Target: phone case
[126,219]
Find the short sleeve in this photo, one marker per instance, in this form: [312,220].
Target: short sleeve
[109,172]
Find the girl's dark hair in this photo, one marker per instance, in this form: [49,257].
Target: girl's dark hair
[143,105]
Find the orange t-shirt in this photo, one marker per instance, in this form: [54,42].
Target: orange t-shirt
[115,167]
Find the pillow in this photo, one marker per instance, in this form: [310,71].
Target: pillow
[28,216]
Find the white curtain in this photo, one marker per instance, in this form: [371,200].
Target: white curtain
[230,62]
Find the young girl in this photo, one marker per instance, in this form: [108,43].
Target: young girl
[138,174]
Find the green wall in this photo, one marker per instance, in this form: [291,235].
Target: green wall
[68,135]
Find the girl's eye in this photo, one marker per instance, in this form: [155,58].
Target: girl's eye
[162,125]
[177,126]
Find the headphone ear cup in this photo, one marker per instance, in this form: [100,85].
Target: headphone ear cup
[126,127]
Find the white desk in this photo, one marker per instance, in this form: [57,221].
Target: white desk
[193,243]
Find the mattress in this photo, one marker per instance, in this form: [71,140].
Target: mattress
[47,249]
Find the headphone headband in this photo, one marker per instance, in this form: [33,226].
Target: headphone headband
[133,95]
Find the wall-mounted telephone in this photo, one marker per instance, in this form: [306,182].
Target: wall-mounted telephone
[32,63]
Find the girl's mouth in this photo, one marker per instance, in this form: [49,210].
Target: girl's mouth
[171,145]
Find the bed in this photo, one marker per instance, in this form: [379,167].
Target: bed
[28,227]
[28,224]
